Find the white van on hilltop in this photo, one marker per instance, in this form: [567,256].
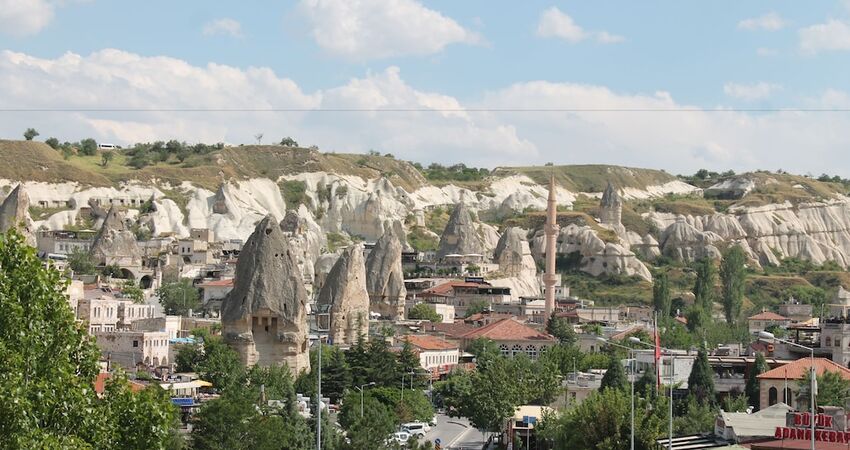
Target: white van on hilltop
[107,146]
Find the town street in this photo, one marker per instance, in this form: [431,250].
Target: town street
[455,433]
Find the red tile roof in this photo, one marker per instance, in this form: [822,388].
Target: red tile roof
[508,330]
[100,383]
[451,330]
[767,315]
[797,370]
[445,288]
[430,342]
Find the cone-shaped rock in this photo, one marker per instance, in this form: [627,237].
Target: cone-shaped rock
[460,235]
[219,205]
[385,278]
[14,213]
[513,253]
[115,243]
[343,302]
[265,315]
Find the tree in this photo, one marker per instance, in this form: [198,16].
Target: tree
[701,380]
[752,388]
[141,420]
[81,262]
[602,422]
[50,364]
[336,374]
[382,365]
[52,142]
[732,278]
[259,138]
[697,419]
[832,390]
[220,365]
[561,329]
[483,348]
[661,294]
[225,423]
[131,290]
[408,361]
[476,307]
[372,430]
[178,298]
[30,134]
[88,147]
[704,286]
[647,384]
[421,311]
[288,142]
[106,157]
[615,376]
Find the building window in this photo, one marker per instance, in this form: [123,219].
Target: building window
[516,350]
[504,349]
[771,396]
[828,341]
[135,344]
[531,351]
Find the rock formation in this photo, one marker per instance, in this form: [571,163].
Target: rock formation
[343,302]
[684,242]
[516,264]
[306,240]
[14,213]
[321,268]
[219,201]
[115,243]
[597,257]
[264,317]
[461,235]
[611,210]
[385,278]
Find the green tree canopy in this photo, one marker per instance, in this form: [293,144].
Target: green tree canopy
[832,390]
[30,134]
[752,388]
[422,311]
[615,376]
[179,298]
[49,366]
[661,294]
[561,329]
[732,277]
[701,380]
[477,306]
[704,285]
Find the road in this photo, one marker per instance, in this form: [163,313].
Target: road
[454,434]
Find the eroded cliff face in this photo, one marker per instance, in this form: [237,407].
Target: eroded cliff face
[817,232]
[343,301]
[513,255]
[14,213]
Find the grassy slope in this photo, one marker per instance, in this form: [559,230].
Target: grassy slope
[35,161]
[590,178]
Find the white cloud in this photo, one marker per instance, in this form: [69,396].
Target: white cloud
[750,92]
[24,17]
[832,35]
[768,22]
[555,23]
[437,127]
[374,29]
[224,26]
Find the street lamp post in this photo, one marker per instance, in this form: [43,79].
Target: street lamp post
[632,376]
[769,336]
[360,388]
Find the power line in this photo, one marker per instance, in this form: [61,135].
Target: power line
[426,110]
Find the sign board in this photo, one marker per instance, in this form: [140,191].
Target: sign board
[828,427]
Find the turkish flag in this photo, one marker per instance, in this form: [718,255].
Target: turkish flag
[658,356]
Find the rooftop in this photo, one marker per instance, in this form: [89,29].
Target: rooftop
[767,315]
[508,330]
[425,342]
[218,283]
[797,370]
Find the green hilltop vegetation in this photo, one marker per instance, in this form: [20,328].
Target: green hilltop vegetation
[590,177]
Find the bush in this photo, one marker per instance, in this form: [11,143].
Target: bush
[294,193]
[88,147]
[30,134]
[52,142]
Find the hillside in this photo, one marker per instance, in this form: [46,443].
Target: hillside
[590,178]
[36,161]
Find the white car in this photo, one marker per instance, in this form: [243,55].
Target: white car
[416,428]
[401,437]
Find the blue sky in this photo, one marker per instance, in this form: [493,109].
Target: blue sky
[468,55]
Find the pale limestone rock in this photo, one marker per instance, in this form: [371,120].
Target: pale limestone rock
[517,265]
[264,317]
[385,278]
[647,247]
[683,242]
[461,235]
[344,298]
[306,240]
[115,243]
[14,213]
[322,267]
[597,256]
[731,188]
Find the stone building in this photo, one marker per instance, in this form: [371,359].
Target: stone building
[264,317]
[131,348]
[512,338]
[343,302]
[772,383]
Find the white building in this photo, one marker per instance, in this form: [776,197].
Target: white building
[436,355]
[100,313]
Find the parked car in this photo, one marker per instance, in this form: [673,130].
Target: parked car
[401,437]
[416,428]
[433,421]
